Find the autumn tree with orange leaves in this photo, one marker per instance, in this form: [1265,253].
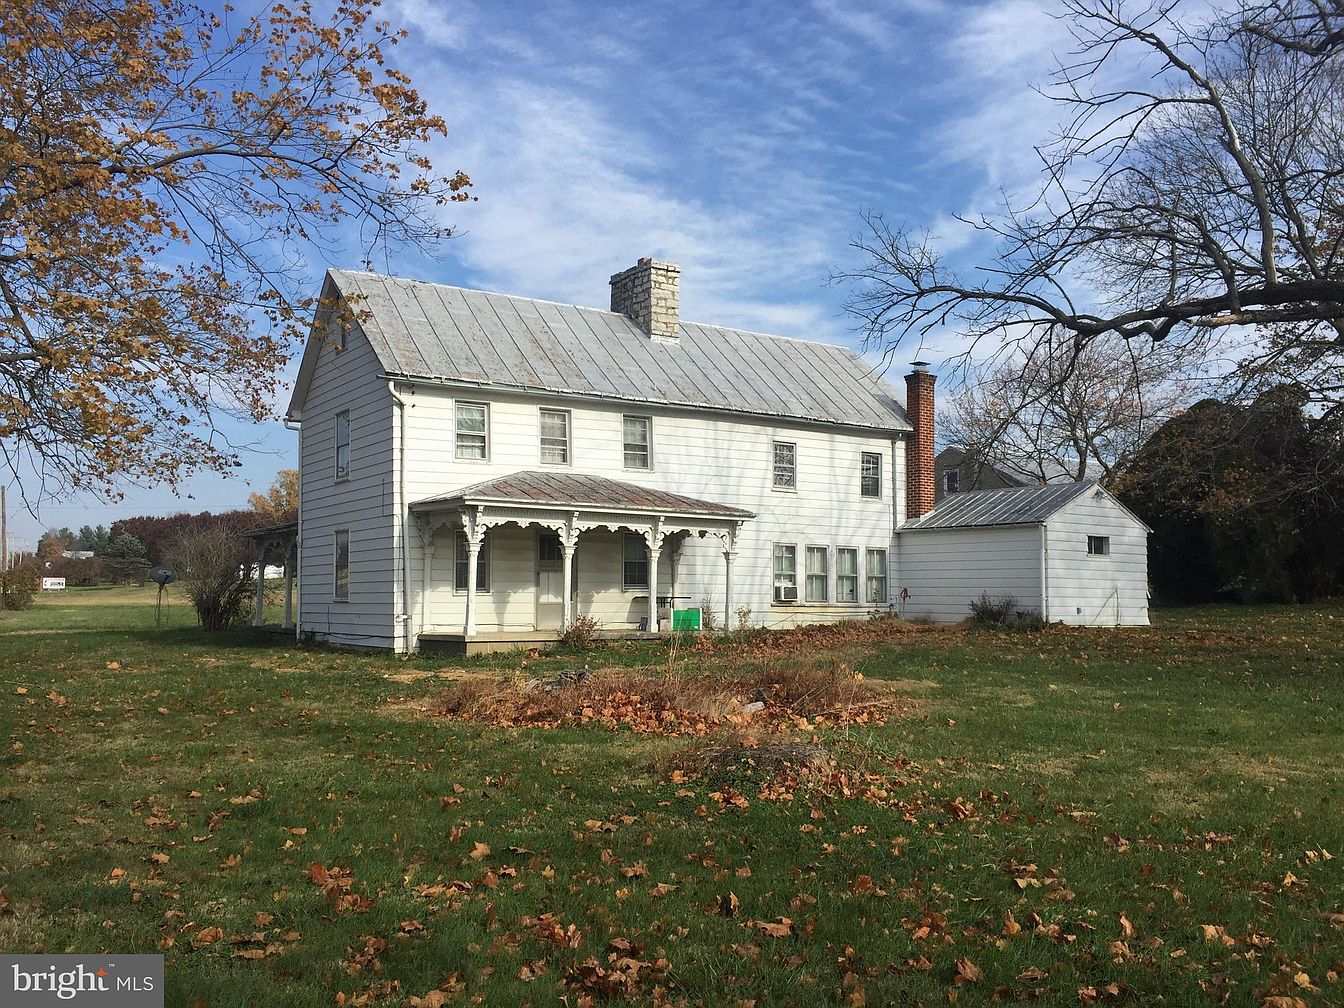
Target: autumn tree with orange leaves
[166,175]
[280,502]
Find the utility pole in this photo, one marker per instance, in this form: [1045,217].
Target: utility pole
[4,531]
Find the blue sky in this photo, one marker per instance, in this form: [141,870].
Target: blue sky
[740,140]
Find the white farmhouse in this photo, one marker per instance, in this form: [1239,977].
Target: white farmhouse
[478,469]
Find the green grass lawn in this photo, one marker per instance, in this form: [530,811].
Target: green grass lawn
[1072,817]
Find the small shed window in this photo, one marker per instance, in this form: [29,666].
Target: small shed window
[555,436]
[786,565]
[472,431]
[461,567]
[870,474]
[341,581]
[877,577]
[343,445]
[635,562]
[1098,545]
[952,481]
[846,574]
[785,465]
[638,442]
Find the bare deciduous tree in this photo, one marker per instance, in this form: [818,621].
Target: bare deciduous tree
[1044,416]
[1194,195]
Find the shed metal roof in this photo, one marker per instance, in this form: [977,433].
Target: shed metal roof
[574,489]
[432,331]
[1012,506]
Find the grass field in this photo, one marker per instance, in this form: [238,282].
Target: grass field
[1070,817]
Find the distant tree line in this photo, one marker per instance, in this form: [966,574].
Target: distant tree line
[125,552]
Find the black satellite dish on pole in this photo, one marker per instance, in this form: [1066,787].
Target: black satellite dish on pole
[163,577]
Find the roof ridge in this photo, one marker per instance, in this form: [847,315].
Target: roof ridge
[593,308]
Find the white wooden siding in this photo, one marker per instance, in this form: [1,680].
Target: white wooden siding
[945,569]
[712,456]
[1110,590]
[347,380]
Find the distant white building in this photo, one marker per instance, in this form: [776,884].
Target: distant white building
[477,469]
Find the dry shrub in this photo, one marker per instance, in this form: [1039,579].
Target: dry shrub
[696,704]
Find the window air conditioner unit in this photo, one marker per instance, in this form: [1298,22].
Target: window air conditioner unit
[786,593]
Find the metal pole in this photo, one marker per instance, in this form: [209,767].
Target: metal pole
[4,532]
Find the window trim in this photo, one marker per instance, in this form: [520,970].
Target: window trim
[627,586]
[951,481]
[1103,540]
[336,446]
[482,561]
[457,448]
[336,595]
[825,574]
[868,577]
[648,447]
[775,445]
[857,576]
[541,436]
[863,457]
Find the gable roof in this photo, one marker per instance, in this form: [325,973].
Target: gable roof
[575,489]
[1012,506]
[436,332]
[955,456]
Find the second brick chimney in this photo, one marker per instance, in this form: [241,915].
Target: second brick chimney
[648,293]
[919,453]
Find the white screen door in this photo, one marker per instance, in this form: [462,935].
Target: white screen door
[550,582]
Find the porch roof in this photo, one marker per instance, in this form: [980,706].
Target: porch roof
[563,490]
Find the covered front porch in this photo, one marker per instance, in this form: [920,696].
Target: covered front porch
[512,562]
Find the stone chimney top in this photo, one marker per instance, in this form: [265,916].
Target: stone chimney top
[648,293]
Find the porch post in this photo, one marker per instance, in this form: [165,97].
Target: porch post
[728,555]
[261,584]
[427,570]
[568,588]
[289,587]
[653,588]
[473,554]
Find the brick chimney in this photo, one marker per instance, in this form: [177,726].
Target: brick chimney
[919,467]
[647,292]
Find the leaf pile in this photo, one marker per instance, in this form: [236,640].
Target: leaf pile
[687,703]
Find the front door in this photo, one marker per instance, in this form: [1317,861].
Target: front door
[550,582]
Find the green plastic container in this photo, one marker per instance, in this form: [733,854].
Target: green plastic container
[685,619]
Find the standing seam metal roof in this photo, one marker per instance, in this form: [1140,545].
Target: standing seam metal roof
[1012,506]
[433,331]
[579,490]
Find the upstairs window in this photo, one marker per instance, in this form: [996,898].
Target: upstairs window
[472,431]
[1098,545]
[635,563]
[785,465]
[343,445]
[952,481]
[846,574]
[340,590]
[555,437]
[818,581]
[461,568]
[870,474]
[638,434]
[877,577]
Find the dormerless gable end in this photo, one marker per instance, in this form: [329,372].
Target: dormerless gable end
[433,332]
